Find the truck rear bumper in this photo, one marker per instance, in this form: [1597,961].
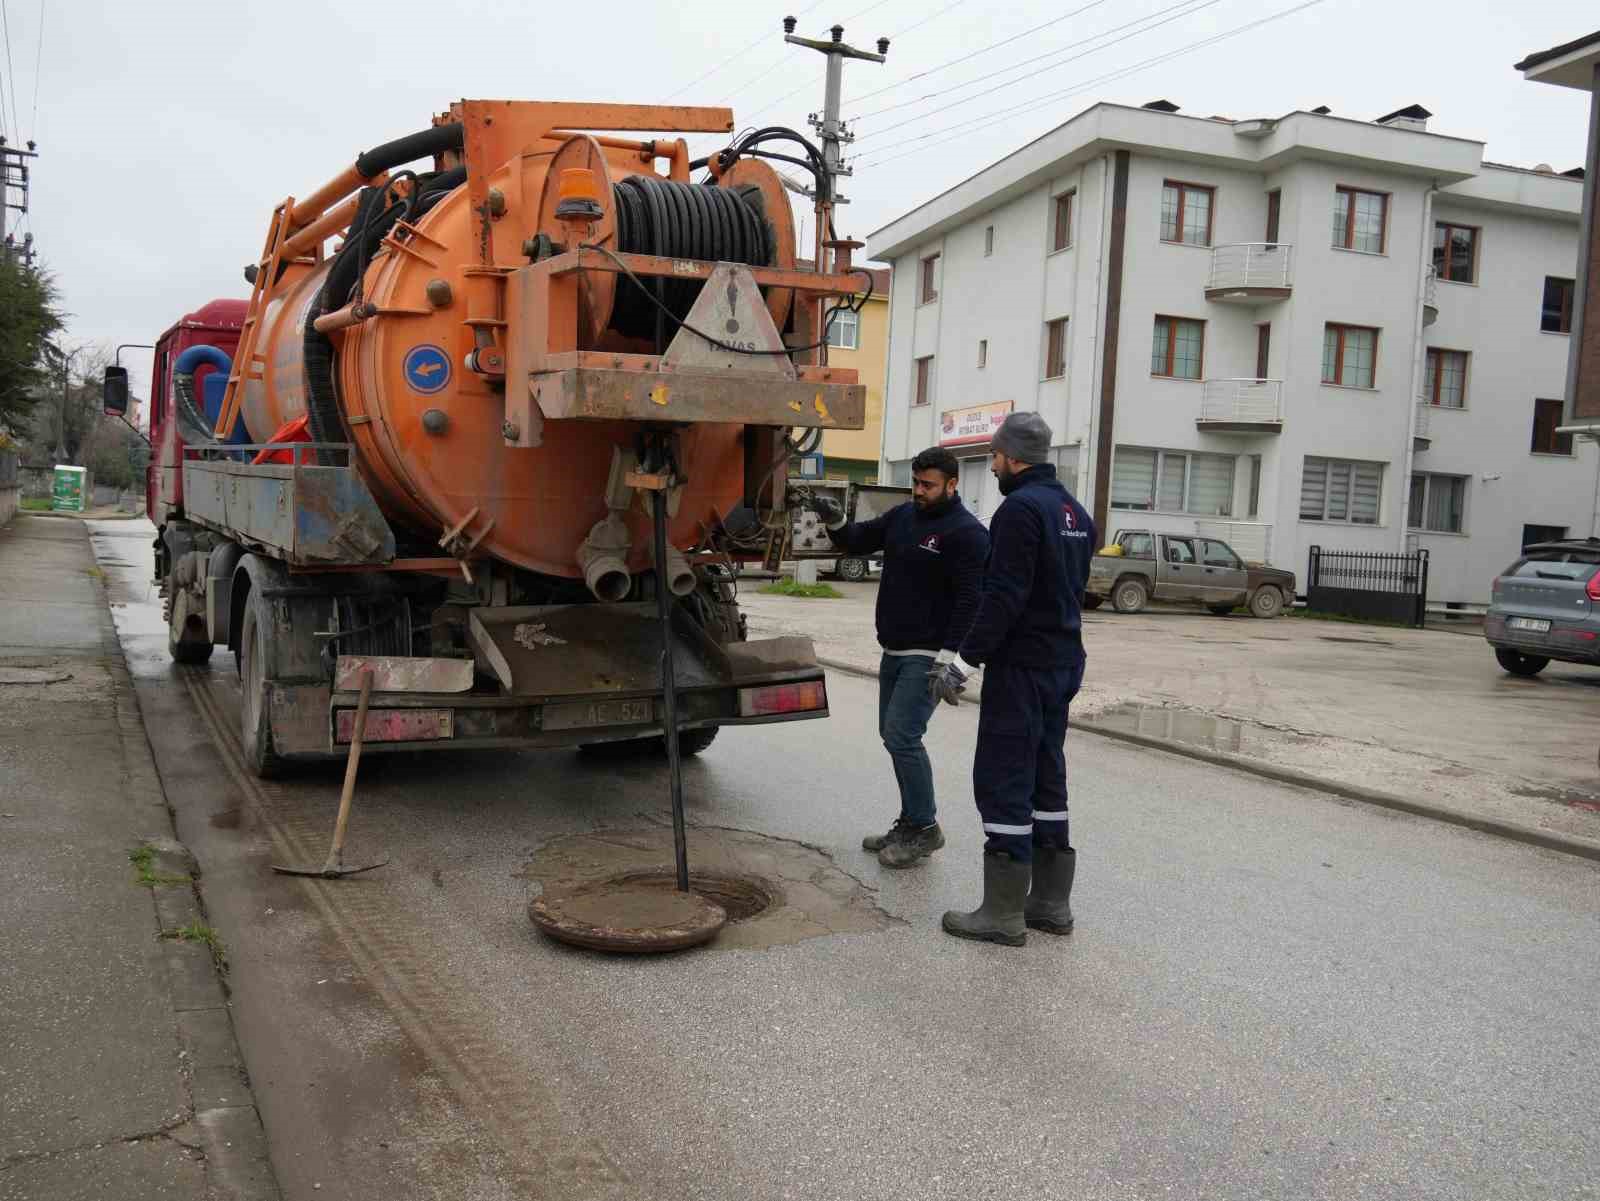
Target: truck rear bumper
[313,720]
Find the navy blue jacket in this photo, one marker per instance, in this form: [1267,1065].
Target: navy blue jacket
[1040,544]
[932,569]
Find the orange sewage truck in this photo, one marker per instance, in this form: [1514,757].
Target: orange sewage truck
[509,399]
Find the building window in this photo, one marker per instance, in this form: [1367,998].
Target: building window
[1061,229]
[930,278]
[1360,220]
[1186,213]
[1349,355]
[1534,534]
[1169,481]
[1340,490]
[1455,252]
[983,352]
[988,240]
[1274,211]
[1263,349]
[1055,348]
[1438,503]
[924,381]
[1556,315]
[1255,486]
[844,330]
[1445,379]
[1177,348]
[1546,418]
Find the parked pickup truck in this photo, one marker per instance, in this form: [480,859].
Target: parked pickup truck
[1142,566]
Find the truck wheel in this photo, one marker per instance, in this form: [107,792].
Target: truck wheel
[1090,601]
[1130,595]
[1519,664]
[255,726]
[854,570]
[1266,601]
[692,742]
[187,641]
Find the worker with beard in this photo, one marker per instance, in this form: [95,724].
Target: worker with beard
[1028,638]
[933,554]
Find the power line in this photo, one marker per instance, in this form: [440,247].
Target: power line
[11,73]
[1000,87]
[975,53]
[1043,101]
[38,59]
[734,57]
[1037,58]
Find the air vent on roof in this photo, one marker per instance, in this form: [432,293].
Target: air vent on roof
[1161,106]
[1413,117]
[1575,173]
[1544,168]
[1322,110]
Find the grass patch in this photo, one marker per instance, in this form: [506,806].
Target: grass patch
[143,859]
[198,931]
[787,587]
[34,504]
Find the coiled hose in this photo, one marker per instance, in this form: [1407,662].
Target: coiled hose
[193,426]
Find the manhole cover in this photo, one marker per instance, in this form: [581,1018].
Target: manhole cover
[33,675]
[635,918]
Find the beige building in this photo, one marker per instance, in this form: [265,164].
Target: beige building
[860,341]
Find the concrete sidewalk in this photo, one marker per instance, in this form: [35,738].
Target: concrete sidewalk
[119,1074]
[1424,719]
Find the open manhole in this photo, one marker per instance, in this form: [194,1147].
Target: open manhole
[741,897]
[643,912]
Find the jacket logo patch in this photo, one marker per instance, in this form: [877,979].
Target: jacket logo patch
[1069,524]
[931,543]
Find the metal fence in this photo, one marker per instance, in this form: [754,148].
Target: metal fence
[1251,265]
[1242,400]
[1372,585]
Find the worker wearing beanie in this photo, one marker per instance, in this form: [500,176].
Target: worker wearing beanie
[933,555]
[1027,637]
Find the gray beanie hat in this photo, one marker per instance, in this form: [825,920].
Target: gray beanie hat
[1024,437]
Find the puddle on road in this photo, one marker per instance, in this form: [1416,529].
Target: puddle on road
[809,896]
[1196,729]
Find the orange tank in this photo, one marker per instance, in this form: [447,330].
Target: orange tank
[462,310]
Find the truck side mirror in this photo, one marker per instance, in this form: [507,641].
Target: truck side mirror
[114,393]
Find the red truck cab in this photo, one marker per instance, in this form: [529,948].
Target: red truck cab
[215,324]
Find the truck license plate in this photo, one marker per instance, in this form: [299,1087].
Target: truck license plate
[1537,625]
[577,715]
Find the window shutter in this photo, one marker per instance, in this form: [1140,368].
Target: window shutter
[1133,478]
[1173,468]
[1338,490]
[1313,488]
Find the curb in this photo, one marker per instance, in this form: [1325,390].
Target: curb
[225,1123]
[1583,848]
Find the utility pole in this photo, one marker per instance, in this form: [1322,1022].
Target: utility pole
[833,134]
[14,193]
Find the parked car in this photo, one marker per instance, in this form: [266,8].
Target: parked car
[1141,566]
[1546,606]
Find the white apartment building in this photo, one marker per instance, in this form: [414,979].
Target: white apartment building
[1289,332]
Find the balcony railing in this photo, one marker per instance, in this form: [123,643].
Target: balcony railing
[1250,271]
[1430,296]
[1241,405]
[1251,540]
[1421,437]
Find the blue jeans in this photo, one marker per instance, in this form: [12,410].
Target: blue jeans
[904,708]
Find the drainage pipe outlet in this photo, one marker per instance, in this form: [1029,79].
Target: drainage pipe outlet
[680,576]
[603,558]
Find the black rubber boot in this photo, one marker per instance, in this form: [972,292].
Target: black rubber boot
[911,844]
[999,918]
[1049,906]
[876,842]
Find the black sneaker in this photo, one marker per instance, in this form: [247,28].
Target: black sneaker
[913,843]
[876,842]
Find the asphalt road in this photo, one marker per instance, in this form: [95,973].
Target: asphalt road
[1270,993]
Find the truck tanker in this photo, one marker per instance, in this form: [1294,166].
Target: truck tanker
[508,399]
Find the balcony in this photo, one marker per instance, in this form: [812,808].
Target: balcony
[1251,540]
[1430,297]
[1421,436]
[1241,406]
[1250,273]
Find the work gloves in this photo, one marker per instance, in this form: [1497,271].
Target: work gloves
[825,507]
[946,682]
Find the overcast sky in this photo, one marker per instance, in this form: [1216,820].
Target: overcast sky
[167,131]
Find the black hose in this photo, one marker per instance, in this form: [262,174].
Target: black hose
[192,423]
[428,142]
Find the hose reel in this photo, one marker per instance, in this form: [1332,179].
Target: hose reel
[741,218]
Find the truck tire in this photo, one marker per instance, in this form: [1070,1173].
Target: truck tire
[690,743]
[187,640]
[854,570]
[1090,601]
[1130,595]
[255,724]
[1519,664]
[1266,601]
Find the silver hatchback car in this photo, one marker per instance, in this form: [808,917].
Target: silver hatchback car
[1546,606]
